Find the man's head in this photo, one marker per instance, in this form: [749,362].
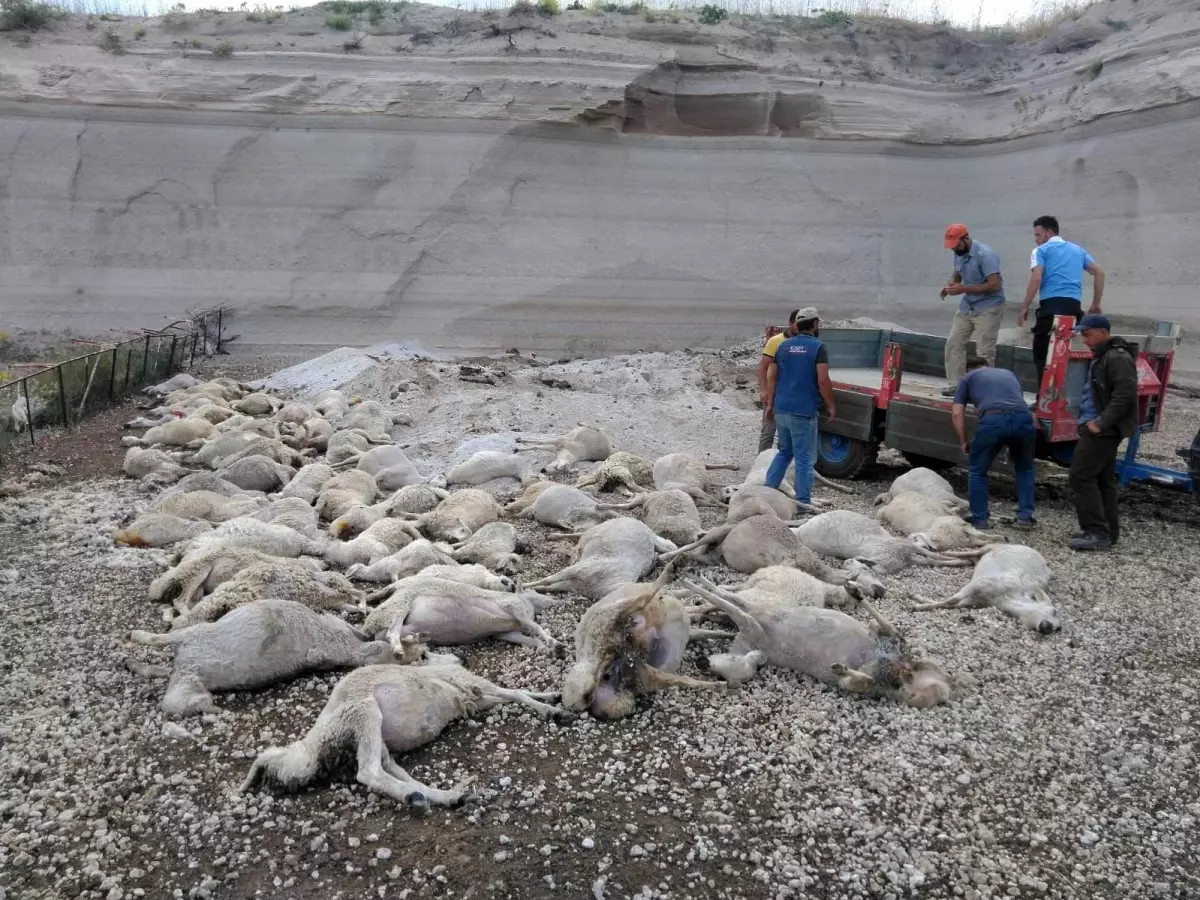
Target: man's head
[1096,329]
[1044,228]
[957,239]
[806,321]
[975,362]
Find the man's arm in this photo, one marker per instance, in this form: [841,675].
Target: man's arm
[772,377]
[988,287]
[1124,392]
[825,385]
[1031,292]
[1097,286]
[959,420]
[764,363]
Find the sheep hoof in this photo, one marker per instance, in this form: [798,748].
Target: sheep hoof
[466,799]
[563,716]
[418,803]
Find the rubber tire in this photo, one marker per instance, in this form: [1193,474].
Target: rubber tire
[918,461]
[842,457]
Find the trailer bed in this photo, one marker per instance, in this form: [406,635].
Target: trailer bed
[914,383]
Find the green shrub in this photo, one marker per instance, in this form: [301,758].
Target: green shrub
[711,15]
[223,50]
[112,42]
[549,7]
[522,8]
[339,22]
[27,14]
[1116,24]
[176,18]
[1094,69]
[139,33]
[836,18]
[576,5]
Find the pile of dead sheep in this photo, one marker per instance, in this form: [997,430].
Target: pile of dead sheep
[305,539]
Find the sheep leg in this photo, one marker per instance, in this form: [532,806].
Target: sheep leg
[563,580]
[548,644]
[882,624]
[713,537]
[709,634]
[142,670]
[632,504]
[745,622]
[211,607]
[653,679]
[389,779]
[494,695]
[974,553]
[821,479]
[567,536]
[852,680]
[925,605]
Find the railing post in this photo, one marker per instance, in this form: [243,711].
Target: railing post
[204,335]
[128,368]
[220,327]
[62,398]
[145,359]
[195,341]
[112,377]
[171,362]
[29,412]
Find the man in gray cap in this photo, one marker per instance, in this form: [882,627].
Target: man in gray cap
[798,386]
[1107,414]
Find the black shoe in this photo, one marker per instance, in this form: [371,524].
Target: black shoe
[1025,524]
[1091,542]
[949,392]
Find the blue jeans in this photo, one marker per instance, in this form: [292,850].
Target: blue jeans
[797,440]
[1012,429]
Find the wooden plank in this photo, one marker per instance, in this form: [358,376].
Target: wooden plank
[855,415]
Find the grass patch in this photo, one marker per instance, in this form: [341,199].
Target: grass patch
[223,50]
[834,18]
[111,42]
[139,33]
[1116,24]
[549,7]
[339,22]
[710,14]
[522,8]
[1094,68]
[176,18]
[27,15]
[353,43]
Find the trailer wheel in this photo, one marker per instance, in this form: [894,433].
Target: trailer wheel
[919,461]
[839,456]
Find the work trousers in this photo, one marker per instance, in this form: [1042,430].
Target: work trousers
[798,437]
[1043,328]
[766,434]
[1016,431]
[984,328]
[1093,481]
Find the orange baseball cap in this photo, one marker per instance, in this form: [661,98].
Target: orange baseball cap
[954,234]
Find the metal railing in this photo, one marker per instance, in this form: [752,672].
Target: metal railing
[60,395]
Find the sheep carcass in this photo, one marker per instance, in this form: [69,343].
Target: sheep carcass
[274,540]
[257,404]
[203,571]
[687,473]
[257,473]
[845,534]
[374,418]
[487,465]
[380,540]
[1013,579]
[528,496]
[830,646]
[445,611]
[388,465]
[160,530]
[933,523]
[761,541]
[563,506]
[786,586]
[331,404]
[177,433]
[377,711]
[670,514]
[620,470]
[609,555]
[152,466]
[757,476]
[581,444]
[416,498]
[178,382]
[279,579]
[293,513]
[261,643]
[409,560]
[207,505]
[494,545]
[345,490]
[459,516]
[747,500]
[308,482]
[922,481]
[293,413]
[205,481]
[346,447]
[628,644]
[215,452]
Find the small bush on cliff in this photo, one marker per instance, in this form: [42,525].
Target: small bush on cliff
[711,15]
[1094,69]
[29,15]
[339,22]
[522,8]
[549,7]
[223,50]
[112,42]
[836,18]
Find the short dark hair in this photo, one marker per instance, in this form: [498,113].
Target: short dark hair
[976,362]
[806,324]
[1048,222]
[792,316]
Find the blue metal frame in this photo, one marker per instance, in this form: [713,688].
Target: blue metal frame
[1130,470]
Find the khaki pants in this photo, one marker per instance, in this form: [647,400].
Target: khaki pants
[983,328]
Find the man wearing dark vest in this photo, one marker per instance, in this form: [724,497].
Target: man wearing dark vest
[798,385]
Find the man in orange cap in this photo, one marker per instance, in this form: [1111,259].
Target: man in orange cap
[977,282]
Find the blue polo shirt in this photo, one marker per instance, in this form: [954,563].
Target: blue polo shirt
[987,388]
[974,268]
[1062,269]
[796,390]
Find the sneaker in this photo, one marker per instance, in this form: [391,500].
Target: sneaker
[949,392]
[1091,542]
[981,524]
[1025,524]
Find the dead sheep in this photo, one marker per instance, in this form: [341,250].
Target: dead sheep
[257,473]
[152,466]
[416,498]
[563,506]
[487,465]
[206,505]
[380,710]
[332,405]
[158,529]
[314,433]
[620,470]
[356,520]
[761,541]
[374,418]
[259,644]
[614,553]
[307,483]
[226,446]
[925,482]
[933,523]
[687,473]
[844,534]
[270,447]
[344,490]
[405,562]
[346,446]
[628,644]
[757,476]
[206,481]
[748,500]
[257,404]
[177,433]
[269,538]
[293,513]
[459,516]
[584,443]
[528,496]
[1013,579]
[450,611]
[786,586]
[178,382]
[203,571]
[669,514]
[831,647]
[494,545]
[380,540]
[158,416]
[293,413]
[388,465]
[275,580]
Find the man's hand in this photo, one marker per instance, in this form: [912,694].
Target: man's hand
[966,447]
[953,290]
[832,413]
[1022,318]
[1094,309]
[1093,427]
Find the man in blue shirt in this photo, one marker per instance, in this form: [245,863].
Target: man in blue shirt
[1057,280]
[1004,421]
[977,282]
[798,385]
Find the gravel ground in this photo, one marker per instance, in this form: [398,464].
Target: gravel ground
[1065,770]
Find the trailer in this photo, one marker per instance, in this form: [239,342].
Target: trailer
[888,386]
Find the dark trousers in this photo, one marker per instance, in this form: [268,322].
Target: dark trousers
[766,435]
[1016,431]
[1093,481]
[1043,327]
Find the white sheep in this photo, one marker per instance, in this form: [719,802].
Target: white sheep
[388,465]
[178,382]
[307,483]
[581,444]
[214,452]
[787,586]
[269,538]
[206,481]
[160,530]
[416,498]
[293,413]
[409,560]
[687,473]
[203,571]
[176,433]
[344,490]
[845,534]
[458,516]
[609,555]
[275,580]
[153,466]
[746,500]
[257,404]
[380,710]
[373,418]
[293,513]
[528,496]
[487,465]
[627,471]
[1013,579]
[207,505]
[346,447]
[257,473]
[494,545]
[563,506]
[830,646]
[932,523]
[261,643]
[332,405]
[380,540]
[669,514]
[922,481]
